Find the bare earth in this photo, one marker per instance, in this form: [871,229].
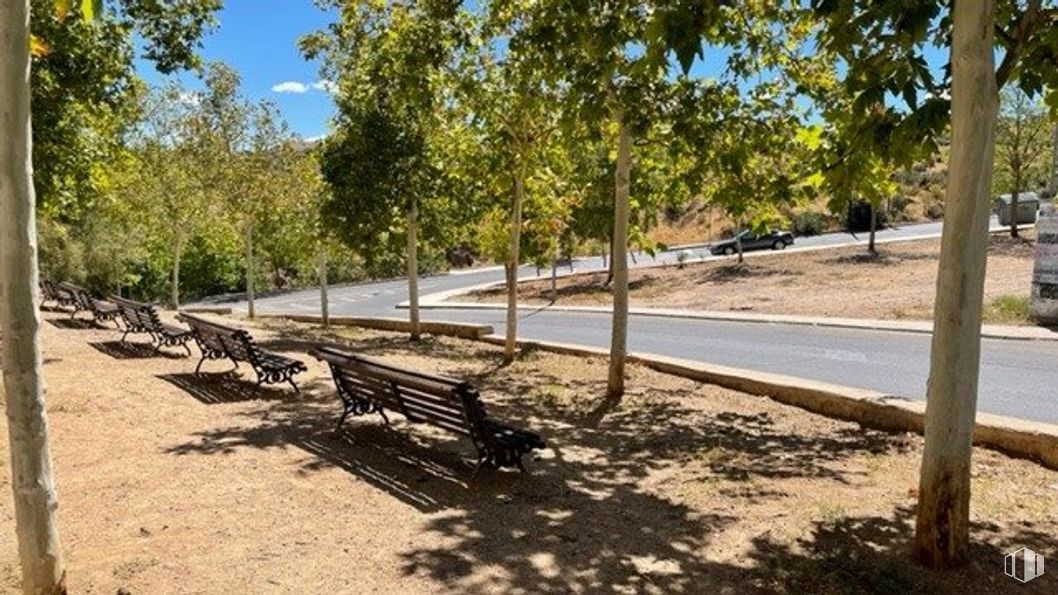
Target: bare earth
[175,484]
[844,283]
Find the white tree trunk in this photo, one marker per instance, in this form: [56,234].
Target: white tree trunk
[512,265]
[250,310]
[412,256]
[36,522]
[325,309]
[619,261]
[178,250]
[942,528]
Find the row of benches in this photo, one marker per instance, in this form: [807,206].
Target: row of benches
[364,385]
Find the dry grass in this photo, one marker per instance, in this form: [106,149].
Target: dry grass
[175,484]
[898,283]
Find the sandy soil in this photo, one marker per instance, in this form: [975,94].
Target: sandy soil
[175,484]
[900,284]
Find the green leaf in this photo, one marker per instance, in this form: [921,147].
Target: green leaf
[63,8]
[90,8]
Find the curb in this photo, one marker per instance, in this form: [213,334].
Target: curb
[1026,439]
[923,327]
[400,325]
[219,310]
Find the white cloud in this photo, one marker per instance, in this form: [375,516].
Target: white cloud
[290,87]
[326,85]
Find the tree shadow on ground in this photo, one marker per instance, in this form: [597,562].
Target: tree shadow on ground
[73,324]
[584,519]
[880,258]
[225,387]
[131,351]
[872,555]
[739,272]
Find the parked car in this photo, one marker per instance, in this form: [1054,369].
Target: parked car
[776,240]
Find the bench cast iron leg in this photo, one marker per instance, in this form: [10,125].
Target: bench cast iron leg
[341,420]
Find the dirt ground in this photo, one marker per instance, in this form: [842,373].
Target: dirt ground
[899,284]
[171,483]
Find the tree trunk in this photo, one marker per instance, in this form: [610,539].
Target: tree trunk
[609,267]
[249,271]
[738,245]
[874,228]
[178,250]
[554,273]
[619,261]
[1053,185]
[942,528]
[512,265]
[36,521]
[1014,207]
[325,310]
[412,256]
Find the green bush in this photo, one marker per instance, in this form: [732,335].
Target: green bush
[809,223]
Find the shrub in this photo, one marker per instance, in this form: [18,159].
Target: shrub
[809,223]
[1008,309]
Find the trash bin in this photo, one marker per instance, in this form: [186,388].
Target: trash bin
[1028,204]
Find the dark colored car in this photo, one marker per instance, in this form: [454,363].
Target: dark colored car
[776,240]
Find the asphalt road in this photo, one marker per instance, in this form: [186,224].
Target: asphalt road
[1018,378]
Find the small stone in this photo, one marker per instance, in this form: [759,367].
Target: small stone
[123,591]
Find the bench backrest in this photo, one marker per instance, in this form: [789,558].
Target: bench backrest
[78,295]
[47,289]
[137,315]
[449,404]
[236,342]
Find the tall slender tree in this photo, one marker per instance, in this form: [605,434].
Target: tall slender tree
[390,60]
[883,45]
[1021,144]
[32,482]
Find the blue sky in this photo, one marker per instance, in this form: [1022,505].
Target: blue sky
[259,39]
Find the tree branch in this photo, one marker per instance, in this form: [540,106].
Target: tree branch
[1026,25]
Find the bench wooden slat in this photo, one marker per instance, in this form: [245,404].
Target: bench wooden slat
[216,340]
[367,385]
[142,318]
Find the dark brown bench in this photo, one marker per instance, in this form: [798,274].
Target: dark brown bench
[143,318]
[60,294]
[101,310]
[219,341]
[48,293]
[368,385]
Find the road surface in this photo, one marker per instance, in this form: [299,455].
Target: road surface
[1018,378]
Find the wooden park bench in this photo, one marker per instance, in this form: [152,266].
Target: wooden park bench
[367,385]
[101,310]
[47,292]
[218,341]
[58,293]
[143,318]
